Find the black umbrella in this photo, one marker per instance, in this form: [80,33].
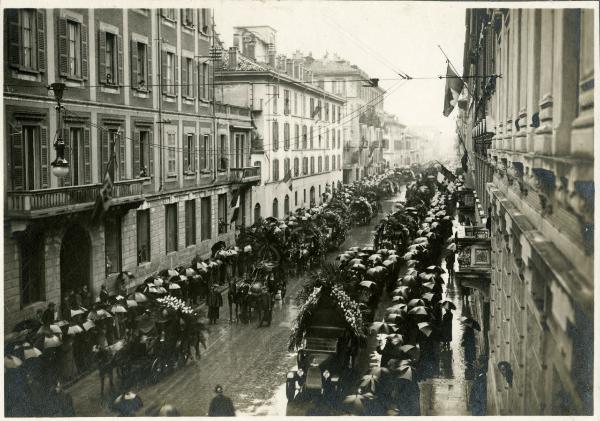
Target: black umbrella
[127,403]
[467,321]
[447,304]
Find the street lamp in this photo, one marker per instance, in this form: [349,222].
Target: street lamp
[60,166]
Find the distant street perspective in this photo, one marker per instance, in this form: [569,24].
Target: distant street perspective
[299,209]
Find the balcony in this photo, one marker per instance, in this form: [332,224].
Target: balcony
[245,175]
[48,202]
[232,111]
[474,258]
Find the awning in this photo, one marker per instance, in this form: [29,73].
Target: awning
[236,127]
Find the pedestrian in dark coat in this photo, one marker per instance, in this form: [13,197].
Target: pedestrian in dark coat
[48,315]
[60,403]
[221,405]
[386,351]
[86,298]
[446,336]
[103,294]
[214,302]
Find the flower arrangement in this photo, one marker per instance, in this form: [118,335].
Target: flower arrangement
[174,303]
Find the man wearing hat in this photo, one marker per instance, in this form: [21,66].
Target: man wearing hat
[221,405]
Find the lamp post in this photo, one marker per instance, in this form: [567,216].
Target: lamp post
[60,166]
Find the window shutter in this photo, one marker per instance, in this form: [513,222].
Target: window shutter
[104,152]
[122,170]
[134,69]
[186,150]
[41,40]
[208,83]
[176,78]
[195,81]
[201,93]
[163,71]
[184,76]
[63,62]
[149,66]
[18,167]
[121,80]
[84,52]
[150,154]
[44,184]
[202,151]
[66,181]
[136,154]
[14,31]
[87,157]
[195,152]
[101,56]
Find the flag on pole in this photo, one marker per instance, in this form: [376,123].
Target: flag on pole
[235,204]
[454,86]
[288,179]
[316,111]
[105,195]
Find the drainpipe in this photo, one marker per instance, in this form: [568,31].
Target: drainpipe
[160,88]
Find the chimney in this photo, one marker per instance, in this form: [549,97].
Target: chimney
[233,58]
[271,55]
[289,67]
[251,49]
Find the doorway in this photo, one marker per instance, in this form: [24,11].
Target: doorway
[75,256]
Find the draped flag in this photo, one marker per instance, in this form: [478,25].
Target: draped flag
[454,86]
[288,179]
[104,198]
[235,205]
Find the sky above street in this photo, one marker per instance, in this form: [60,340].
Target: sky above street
[382,38]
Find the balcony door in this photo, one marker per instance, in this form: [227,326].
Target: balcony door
[75,255]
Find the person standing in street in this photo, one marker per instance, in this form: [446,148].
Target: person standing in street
[446,329]
[214,302]
[221,405]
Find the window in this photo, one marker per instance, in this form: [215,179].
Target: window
[304,195]
[304,140]
[139,66]
[112,243]
[78,161]
[275,136]
[203,78]
[110,59]
[286,167]
[286,136]
[332,139]
[305,165]
[240,140]
[295,103]
[338,139]
[275,208]
[326,163]
[275,97]
[171,154]
[204,18]
[27,39]
[189,153]
[142,158]
[275,170]
[312,107]
[319,109]
[29,157]
[188,17]
[205,219]
[222,152]
[303,105]
[296,136]
[326,111]
[320,164]
[143,235]
[311,137]
[333,113]
[222,213]
[169,14]
[286,102]
[256,212]
[333,162]
[312,164]
[170,74]
[32,257]
[188,77]
[296,167]
[295,198]
[286,205]
[171,227]
[74,48]
[111,140]
[205,153]
[319,137]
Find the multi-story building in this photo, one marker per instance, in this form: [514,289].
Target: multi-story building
[298,131]
[362,115]
[135,84]
[393,146]
[530,145]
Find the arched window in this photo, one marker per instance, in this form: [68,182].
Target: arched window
[275,208]
[256,212]
[320,197]
[312,196]
[286,205]
[286,167]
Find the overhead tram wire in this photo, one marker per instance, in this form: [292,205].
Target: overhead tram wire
[213,152]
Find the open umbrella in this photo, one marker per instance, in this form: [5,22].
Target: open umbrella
[355,262]
[426,276]
[452,247]
[396,339]
[118,308]
[55,329]
[158,281]
[427,296]
[375,258]
[74,330]
[131,303]
[139,297]
[357,401]
[103,314]
[127,403]
[189,272]
[404,372]
[415,302]
[368,284]
[388,262]
[359,266]
[425,328]
[76,312]
[435,269]
[369,382]
[418,311]
[173,286]
[398,299]
[409,255]
[467,321]
[447,304]
[379,372]
[172,272]
[51,341]
[383,327]
[412,351]
[430,235]
[397,308]
[403,290]
[420,240]
[429,285]
[88,324]
[29,351]
[412,263]
[10,362]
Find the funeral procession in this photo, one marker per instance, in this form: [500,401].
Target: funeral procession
[299,209]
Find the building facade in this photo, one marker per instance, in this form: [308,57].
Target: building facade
[362,114]
[393,145]
[529,139]
[298,132]
[137,86]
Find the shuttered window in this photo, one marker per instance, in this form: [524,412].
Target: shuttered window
[80,156]
[304,138]
[171,227]
[275,170]
[311,137]
[205,153]
[190,222]
[296,136]
[29,157]
[326,163]
[286,205]
[205,218]
[286,136]
[189,153]
[203,75]
[26,32]
[222,161]
[222,213]
[143,235]
[320,164]
[296,167]
[275,137]
[73,50]
[171,154]
[286,167]
[143,161]
[141,66]
[188,77]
